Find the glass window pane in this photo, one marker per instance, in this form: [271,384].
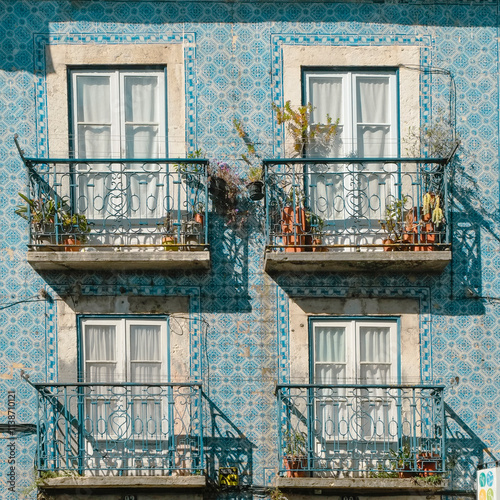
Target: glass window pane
[145,342]
[100,342]
[94,141]
[330,374]
[325,94]
[374,344]
[140,99]
[100,372]
[373,141]
[146,372]
[373,103]
[93,99]
[141,141]
[330,344]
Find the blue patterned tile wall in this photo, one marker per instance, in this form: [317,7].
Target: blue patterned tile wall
[240,316]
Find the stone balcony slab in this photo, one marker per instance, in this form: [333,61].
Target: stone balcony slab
[367,262]
[120,261]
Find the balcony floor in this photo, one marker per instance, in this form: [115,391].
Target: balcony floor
[128,482]
[352,486]
[367,262]
[119,261]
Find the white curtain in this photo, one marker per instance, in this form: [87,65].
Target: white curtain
[94,122]
[351,190]
[326,96]
[374,349]
[100,353]
[330,354]
[140,95]
[145,353]
[112,121]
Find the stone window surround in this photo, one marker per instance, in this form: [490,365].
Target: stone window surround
[406,310]
[406,59]
[71,308]
[60,57]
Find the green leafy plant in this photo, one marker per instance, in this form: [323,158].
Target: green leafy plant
[393,223]
[251,158]
[381,472]
[40,481]
[277,494]
[434,479]
[402,458]
[304,134]
[295,443]
[77,225]
[435,140]
[40,211]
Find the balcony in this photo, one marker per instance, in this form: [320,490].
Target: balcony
[357,214]
[147,434]
[364,437]
[105,214]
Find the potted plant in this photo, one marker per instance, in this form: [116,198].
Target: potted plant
[42,213]
[224,186]
[403,461]
[75,231]
[169,238]
[255,185]
[316,225]
[295,455]
[294,223]
[305,135]
[427,463]
[393,224]
[199,212]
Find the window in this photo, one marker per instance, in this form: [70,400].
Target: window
[354,351]
[120,114]
[125,350]
[347,357]
[365,104]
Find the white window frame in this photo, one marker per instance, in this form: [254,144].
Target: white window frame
[122,328]
[350,123]
[335,405]
[117,104]
[352,346]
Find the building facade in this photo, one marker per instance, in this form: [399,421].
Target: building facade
[166,334]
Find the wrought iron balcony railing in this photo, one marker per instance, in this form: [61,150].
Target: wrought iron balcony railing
[116,204]
[362,430]
[120,429]
[347,204]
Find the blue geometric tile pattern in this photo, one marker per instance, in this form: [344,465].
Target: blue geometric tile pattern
[239,316]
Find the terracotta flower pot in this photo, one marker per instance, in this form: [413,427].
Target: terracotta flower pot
[293,227]
[199,218]
[296,466]
[427,462]
[170,243]
[388,245]
[73,244]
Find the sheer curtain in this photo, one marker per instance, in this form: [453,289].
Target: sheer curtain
[100,353]
[375,367]
[145,349]
[94,140]
[118,115]
[140,96]
[373,110]
[326,183]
